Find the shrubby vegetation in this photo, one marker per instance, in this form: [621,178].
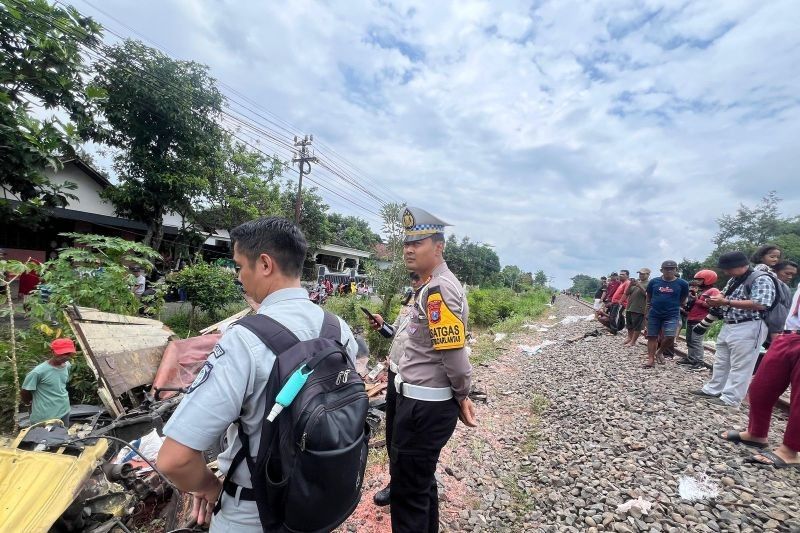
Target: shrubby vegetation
[504,308]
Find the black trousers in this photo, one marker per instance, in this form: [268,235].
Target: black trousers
[391,408]
[421,429]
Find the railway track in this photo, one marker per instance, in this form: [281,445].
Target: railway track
[783,401]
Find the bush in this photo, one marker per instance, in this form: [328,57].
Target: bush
[348,308]
[208,287]
[494,307]
[185,324]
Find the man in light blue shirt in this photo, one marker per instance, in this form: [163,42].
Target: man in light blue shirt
[232,384]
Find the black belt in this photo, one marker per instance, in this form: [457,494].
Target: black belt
[247,495]
[740,321]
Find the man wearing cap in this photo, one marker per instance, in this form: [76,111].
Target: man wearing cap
[433,379]
[636,295]
[46,385]
[743,301]
[665,297]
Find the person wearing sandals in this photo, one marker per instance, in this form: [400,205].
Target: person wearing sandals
[779,369]
[665,297]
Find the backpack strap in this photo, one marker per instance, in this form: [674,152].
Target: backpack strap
[272,333]
[751,279]
[331,328]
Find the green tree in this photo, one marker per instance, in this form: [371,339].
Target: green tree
[689,268]
[584,284]
[752,226]
[313,214]
[352,231]
[471,262]
[243,185]
[388,282]
[540,279]
[160,113]
[208,287]
[40,64]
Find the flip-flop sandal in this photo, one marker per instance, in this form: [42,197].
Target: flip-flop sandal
[735,436]
[777,462]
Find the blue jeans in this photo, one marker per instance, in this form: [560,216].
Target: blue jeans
[669,325]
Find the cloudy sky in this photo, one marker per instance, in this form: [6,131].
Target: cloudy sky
[575,137]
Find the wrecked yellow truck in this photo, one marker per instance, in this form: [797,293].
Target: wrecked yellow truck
[97,475]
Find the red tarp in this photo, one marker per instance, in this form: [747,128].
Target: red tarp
[181,362]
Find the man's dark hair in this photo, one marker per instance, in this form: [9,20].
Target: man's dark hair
[437,237]
[784,265]
[759,254]
[627,272]
[602,278]
[277,237]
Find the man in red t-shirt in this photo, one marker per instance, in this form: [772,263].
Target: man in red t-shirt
[703,287]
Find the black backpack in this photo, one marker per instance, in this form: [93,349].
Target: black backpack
[310,466]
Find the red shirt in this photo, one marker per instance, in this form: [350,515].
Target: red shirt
[619,295]
[699,310]
[611,289]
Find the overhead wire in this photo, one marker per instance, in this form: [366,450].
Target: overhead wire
[279,143]
[340,167]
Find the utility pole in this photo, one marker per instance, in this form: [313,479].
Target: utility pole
[304,156]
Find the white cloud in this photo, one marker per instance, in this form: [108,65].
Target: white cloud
[575,136]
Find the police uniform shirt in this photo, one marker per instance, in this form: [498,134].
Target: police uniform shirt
[442,309]
[233,380]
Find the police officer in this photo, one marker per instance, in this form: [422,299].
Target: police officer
[433,379]
[232,384]
[400,338]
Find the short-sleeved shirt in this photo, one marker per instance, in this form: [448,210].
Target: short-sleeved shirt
[138,289]
[436,354]
[611,288]
[637,297]
[700,309]
[619,295]
[666,296]
[232,384]
[48,384]
[599,293]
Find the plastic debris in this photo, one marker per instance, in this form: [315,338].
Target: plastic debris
[573,319]
[552,317]
[533,350]
[643,505]
[149,445]
[500,336]
[697,488]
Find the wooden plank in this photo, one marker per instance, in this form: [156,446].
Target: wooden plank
[87,314]
[126,355]
[214,327]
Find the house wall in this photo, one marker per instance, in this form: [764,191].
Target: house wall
[88,191]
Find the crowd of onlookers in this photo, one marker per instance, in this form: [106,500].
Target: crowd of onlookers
[757,346]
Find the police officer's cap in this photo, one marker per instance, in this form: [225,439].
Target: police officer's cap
[419,224]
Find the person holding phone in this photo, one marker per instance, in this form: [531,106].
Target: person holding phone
[399,334]
[433,379]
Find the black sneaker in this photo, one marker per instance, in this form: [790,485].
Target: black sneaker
[684,362]
[697,367]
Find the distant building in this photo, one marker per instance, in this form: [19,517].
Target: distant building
[89,214]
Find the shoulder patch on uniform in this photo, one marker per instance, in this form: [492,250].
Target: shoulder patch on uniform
[446,328]
[201,378]
[218,351]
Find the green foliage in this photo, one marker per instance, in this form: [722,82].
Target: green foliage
[185,323]
[208,287]
[160,113]
[40,64]
[502,309]
[585,285]
[352,231]
[514,278]
[313,214]
[472,263]
[390,281]
[348,308]
[242,186]
[752,226]
[540,278]
[94,273]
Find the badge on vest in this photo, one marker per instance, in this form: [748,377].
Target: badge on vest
[446,328]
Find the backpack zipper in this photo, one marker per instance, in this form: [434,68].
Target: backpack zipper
[317,412]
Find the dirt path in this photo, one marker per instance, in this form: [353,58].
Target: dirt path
[572,432]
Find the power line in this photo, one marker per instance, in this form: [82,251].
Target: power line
[276,121]
[100,56]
